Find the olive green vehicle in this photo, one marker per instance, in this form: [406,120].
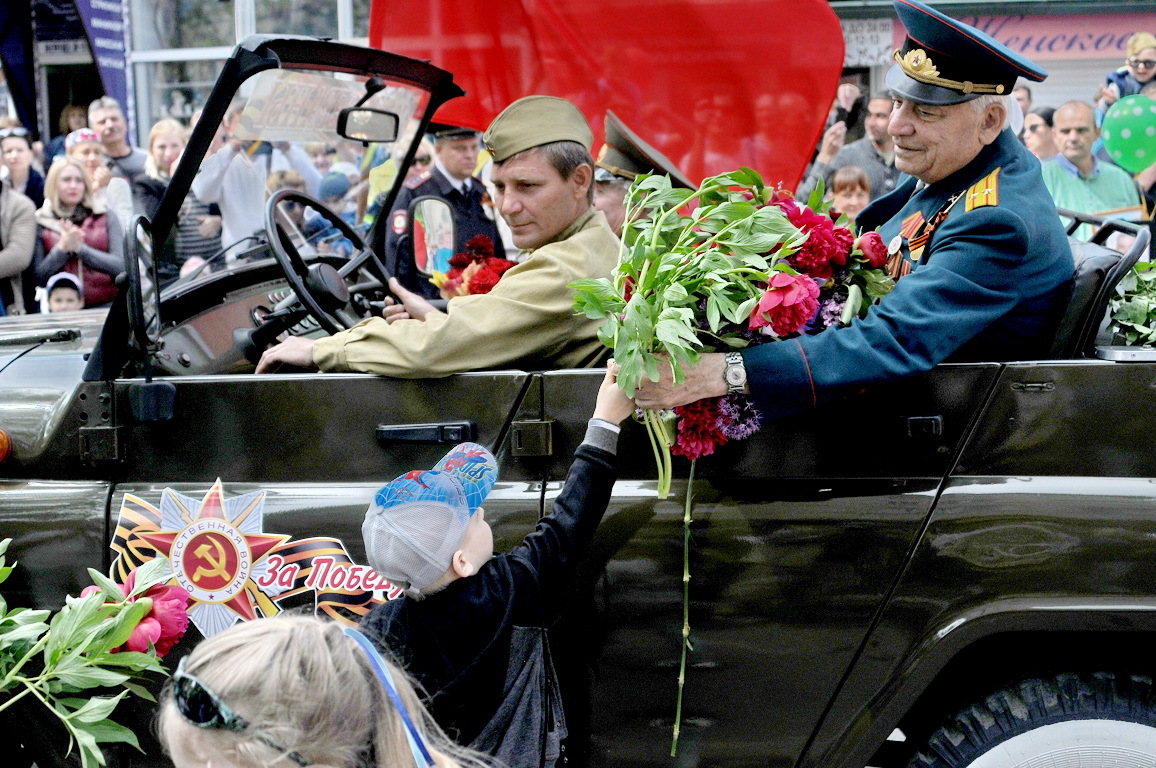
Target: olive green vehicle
[954,569]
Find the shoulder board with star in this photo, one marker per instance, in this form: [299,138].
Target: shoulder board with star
[418,180]
[983,193]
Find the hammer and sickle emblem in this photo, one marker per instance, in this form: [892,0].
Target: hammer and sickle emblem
[218,564]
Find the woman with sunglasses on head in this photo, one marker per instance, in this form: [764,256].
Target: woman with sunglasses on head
[17,154]
[1138,69]
[298,691]
[79,234]
[112,192]
[1038,136]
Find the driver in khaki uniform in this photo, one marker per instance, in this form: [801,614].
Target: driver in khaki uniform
[543,175]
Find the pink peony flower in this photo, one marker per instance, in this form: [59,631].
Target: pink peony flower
[870,244]
[788,305]
[165,623]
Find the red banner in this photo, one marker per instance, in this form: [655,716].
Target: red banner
[713,84]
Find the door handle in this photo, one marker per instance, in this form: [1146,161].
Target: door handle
[437,433]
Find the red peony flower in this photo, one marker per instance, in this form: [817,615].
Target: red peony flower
[788,305]
[870,244]
[826,243]
[166,622]
[698,433]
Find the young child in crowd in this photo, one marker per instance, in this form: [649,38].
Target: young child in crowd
[298,690]
[63,292]
[470,628]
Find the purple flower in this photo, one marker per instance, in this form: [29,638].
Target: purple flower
[831,310]
[737,417]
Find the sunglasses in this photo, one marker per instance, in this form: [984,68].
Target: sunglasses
[1036,127]
[200,706]
[422,160]
[1142,63]
[9,132]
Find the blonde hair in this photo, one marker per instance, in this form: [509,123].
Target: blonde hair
[303,684]
[52,194]
[160,128]
[1139,42]
[288,179]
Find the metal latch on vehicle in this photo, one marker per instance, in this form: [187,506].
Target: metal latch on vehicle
[532,438]
[99,432]
[924,426]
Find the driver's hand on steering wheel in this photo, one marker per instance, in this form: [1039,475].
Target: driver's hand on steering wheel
[412,305]
[294,351]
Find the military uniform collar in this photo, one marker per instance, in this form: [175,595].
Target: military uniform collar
[445,183]
[957,182]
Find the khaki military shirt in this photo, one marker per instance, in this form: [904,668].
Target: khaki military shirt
[526,322]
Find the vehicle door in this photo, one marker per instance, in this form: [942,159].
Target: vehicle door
[797,535]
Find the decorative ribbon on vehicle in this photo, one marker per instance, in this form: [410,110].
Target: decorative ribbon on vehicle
[219,554]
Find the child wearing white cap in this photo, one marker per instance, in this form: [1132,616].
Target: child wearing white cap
[471,627]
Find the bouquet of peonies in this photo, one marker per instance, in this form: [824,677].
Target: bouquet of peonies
[475,270]
[109,637]
[745,264]
[729,265]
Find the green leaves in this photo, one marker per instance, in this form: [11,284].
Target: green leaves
[76,661]
[678,265]
[1134,307]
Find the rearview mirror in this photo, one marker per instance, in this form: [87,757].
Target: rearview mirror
[365,124]
[431,220]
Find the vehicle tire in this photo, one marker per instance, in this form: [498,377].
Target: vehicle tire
[1069,720]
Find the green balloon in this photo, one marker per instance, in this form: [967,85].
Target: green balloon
[1129,133]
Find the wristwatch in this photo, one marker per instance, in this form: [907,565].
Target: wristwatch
[735,374]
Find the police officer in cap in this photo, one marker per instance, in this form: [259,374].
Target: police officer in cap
[452,179]
[983,265]
[620,160]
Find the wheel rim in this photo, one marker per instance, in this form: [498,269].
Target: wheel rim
[1076,744]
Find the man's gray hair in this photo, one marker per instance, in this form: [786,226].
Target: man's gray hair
[565,157]
[104,102]
[981,103]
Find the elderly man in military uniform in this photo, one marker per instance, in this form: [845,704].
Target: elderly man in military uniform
[544,176]
[452,179]
[984,268]
[621,159]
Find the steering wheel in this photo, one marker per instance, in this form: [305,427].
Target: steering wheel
[324,290]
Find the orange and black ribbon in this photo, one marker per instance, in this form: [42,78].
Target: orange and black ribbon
[898,265]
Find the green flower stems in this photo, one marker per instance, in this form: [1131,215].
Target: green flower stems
[686,644]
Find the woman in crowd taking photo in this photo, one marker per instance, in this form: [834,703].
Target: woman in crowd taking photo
[296,691]
[79,234]
[16,149]
[165,144]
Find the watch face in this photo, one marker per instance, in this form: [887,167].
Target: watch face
[736,376]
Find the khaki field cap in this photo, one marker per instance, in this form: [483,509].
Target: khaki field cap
[533,121]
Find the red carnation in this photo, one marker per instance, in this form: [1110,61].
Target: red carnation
[461,260]
[788,305]
[481,246]
[499,265]
[870,244]
[483,281]
[698,433]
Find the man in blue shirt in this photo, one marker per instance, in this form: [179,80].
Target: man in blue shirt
[983,265]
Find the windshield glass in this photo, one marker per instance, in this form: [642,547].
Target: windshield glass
[282,132]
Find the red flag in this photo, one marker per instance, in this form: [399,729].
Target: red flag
[712,84]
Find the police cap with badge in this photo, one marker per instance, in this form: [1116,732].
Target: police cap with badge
[944,61]
[624,156]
